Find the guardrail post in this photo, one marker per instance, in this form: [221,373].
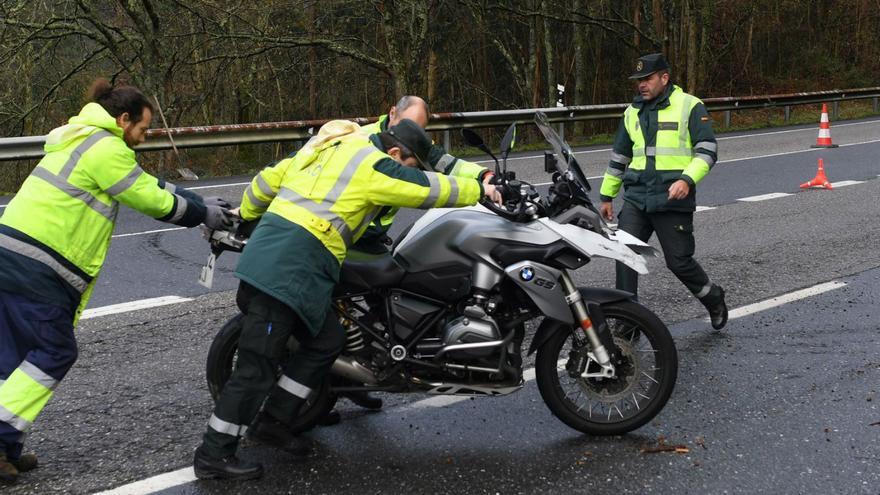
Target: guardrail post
[787,113]
[875,104]
[727,118]
[447,140]
[835,110]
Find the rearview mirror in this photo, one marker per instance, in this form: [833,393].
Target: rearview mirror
[472,138]
[509,140]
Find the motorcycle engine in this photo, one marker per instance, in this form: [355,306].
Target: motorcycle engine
[472,327]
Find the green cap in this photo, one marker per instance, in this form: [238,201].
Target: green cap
[414,138]
[649,64]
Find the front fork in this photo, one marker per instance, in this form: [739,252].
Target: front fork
[600,353]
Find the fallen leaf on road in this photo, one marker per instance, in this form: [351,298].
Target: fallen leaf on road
[678,449]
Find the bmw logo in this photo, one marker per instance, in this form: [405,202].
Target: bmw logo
[527,274]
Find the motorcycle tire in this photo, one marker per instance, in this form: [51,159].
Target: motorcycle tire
[551,373]
[219,366]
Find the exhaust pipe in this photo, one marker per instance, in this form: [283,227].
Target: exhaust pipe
[350,368]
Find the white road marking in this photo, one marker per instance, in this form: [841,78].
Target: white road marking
[186,475]
[149,232]
[216,186]
[132,306]
[764,197]
[845,183]
[704,208]
[784,299]
[155,484]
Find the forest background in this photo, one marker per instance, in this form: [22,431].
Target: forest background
[243,61]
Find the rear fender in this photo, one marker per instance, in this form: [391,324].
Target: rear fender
[590,295]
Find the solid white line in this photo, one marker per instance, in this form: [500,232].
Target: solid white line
[132,306]
[764,197]
[155,484]
[785,299]
[704,208]
[845,183]
[810,129]
[149,232]
[216,186]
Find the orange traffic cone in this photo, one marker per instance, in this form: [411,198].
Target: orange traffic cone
[819,180]
[824,139]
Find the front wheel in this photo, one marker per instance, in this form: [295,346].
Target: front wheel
[644,380]
[221,361]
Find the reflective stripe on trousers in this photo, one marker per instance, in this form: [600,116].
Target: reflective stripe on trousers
[226,427]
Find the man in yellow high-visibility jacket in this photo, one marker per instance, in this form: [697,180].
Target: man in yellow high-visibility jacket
[314,206]
[662,150]
[54,236]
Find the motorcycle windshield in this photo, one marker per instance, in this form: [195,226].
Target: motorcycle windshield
[563,150]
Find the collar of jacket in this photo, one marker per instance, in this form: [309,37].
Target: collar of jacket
[383,123]
[375,141]
[92,117]
[661,101]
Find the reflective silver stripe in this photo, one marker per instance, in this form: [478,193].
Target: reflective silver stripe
[683,130]
[613,172]
[434,193]
[369,218]
[655,151]
[2,382]
[108,212]
[77,153]
[347,173]
[445,161]
[320,210]
[14,421]
[38,375]
[182,205]
[706,158]
[126,182]
[621,159]
[264,186]
[638,152]
[259,203]
[703,292]
[170,187]
[707,145]
[293,387]
[37,254]
[226,427]
[453,193]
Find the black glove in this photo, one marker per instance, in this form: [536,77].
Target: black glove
[217,218]
[216,201]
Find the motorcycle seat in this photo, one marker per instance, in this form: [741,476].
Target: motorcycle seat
[367,271]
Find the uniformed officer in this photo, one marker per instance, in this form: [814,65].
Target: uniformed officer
[416,109]
[314,206]
[54,236]
[663,148]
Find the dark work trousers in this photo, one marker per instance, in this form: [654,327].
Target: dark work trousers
[37,349]
[675,231]
[262,349]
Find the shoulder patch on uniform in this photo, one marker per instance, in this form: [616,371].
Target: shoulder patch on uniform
[704,118]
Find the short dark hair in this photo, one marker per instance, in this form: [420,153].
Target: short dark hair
[120,99]
[389,141]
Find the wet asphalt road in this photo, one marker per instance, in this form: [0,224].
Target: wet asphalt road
[782,402]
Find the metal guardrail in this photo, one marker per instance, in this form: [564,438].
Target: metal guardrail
[29,147]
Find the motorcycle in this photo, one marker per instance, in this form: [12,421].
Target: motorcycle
[445,312]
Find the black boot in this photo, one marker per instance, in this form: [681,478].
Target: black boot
[717,309]
[227,468]
[8,472]
[25,463]
[268,430]
[331,418]
[364,399]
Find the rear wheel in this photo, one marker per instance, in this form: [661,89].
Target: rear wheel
[645,378]
[221,361]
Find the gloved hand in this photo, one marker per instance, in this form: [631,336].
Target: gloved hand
[217,218]
[215,201]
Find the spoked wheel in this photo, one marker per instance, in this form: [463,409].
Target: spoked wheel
[221,361]
[645,374]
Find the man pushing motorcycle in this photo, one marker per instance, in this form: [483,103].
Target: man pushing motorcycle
[314,206]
